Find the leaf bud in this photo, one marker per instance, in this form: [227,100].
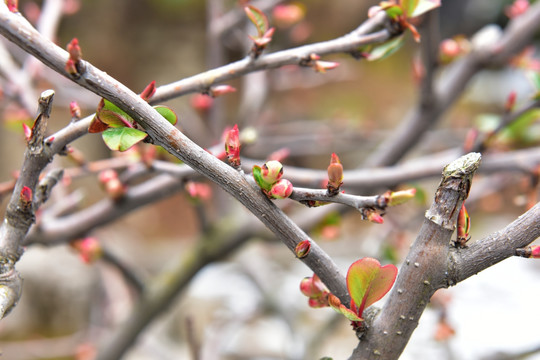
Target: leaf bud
[281,189]
[463,227]
[399,197]
[302,249]
[335,175]
[148,91]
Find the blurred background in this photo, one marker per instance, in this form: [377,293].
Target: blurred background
[248,305]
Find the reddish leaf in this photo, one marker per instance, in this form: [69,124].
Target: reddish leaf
[368,281]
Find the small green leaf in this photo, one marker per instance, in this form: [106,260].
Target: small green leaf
[167,113]
[393,12]
[257,175]
[107,105]
[113,119]
[408,6]
[424,6]
[122,138]
[258,18]
[386,49]
[368,281]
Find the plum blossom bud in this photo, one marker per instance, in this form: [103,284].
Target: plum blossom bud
[281,189]
[302,249]
[272,171]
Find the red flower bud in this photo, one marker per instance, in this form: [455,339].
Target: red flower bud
[71,68]
[373,216]
[27,132]
[302,249]
[26,197]
[112,184]
[281,189]
[510,101]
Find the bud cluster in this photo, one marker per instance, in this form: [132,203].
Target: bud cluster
[314,289]
[269,179]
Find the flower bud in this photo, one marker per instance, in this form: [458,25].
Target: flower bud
[282,189]
[27,132]
[272,171]
[532,251]
[302,249]
[232,146]
[221,90]
[74,50]
[26,198]
[13,5]
[75,110]
[89,249]
[112,184]
[201,103]
[373,216]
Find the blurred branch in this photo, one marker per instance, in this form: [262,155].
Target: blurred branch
[451,85]
[363,35]
[13,26]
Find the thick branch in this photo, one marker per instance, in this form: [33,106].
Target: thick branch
[424,270]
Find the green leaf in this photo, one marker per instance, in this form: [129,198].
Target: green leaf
[257,175]
[258,18]
[113,119]
[408,6]
[386,49]
[393,12]
[368,281]
[107,105]
[167,113]
[424,6]
[122,138]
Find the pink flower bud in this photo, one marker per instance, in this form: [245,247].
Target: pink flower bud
[286,15]
[89,249]
[27,132]
[221,90]
[201,103]
[517,8]
[71,68]
[74,51]
[13,5]
[75,110]
[373,216]
[197,190]
[281,189]
[272,171]
[232,146]
[112,184]
[302,249]
[318,302]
